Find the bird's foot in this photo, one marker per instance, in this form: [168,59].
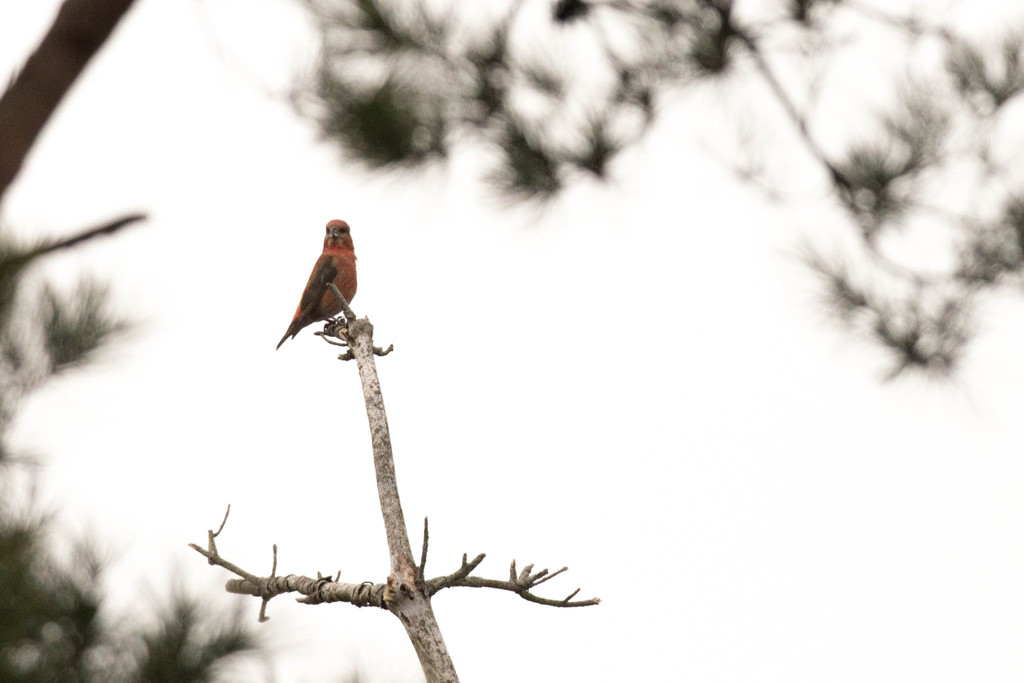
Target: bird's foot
[336,328]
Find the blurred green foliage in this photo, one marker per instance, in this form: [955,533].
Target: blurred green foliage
[52,625]
[399,85]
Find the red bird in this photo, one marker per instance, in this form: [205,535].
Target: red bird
[336,264]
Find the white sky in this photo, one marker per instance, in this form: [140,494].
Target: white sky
[637,384]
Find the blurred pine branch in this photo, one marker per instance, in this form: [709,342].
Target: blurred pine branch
[399,85]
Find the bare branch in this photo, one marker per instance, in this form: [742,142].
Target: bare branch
[549,576]
[520,583]
[315,591]
[360,337]
[404,594]
[524,592]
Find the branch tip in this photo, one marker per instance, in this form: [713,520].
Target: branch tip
[541,578]
[223,521]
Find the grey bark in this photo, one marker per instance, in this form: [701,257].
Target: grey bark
[405,595]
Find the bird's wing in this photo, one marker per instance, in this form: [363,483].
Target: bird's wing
[324,271]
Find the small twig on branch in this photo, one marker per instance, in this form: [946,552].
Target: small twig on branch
[210,534]
[222,522]
[327,333]
[456,577]
[273,574]
[315,591]
[423,554]
[349,315]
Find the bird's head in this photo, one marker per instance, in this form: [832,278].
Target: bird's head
[339,235]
